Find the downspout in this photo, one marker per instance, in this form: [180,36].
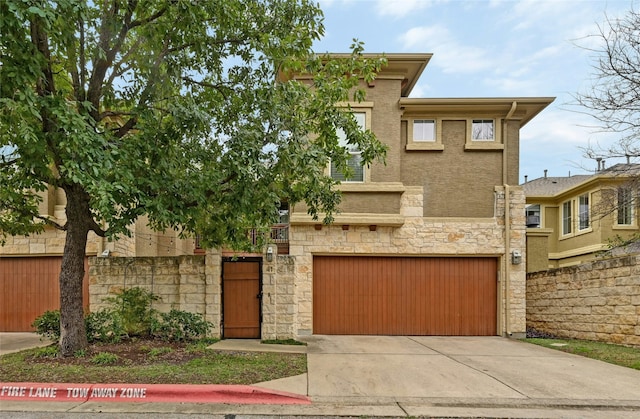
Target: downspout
[507,220]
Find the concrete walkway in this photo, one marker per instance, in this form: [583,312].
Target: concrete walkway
[18,341]
[417,376]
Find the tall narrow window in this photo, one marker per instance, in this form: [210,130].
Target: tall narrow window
[567,218]
[625,206]
[355,159]
[424,130]
[482,130]
[583,212]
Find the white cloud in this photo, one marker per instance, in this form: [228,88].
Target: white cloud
[400,8]
[449,53]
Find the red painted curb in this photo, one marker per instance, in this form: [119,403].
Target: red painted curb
[160,393]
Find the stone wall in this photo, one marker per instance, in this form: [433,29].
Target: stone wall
[279,298]
[597,301]
[188,283]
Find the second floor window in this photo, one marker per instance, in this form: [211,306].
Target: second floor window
[424,130]
[567,217]
[355,159]
[482,130]
[625,206]
[583,208]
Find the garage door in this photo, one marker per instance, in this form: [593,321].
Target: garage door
[404,296]
[28,288]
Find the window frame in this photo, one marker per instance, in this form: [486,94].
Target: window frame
[366,109]
[484,144]
[566,222]
[629,208]
[435,144]
[581,219]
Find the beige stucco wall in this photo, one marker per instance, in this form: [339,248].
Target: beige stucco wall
[598,301]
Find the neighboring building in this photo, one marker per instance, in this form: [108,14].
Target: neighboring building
[571,220]
[428,243]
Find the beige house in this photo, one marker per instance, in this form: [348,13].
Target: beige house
[430,243]
[571,220]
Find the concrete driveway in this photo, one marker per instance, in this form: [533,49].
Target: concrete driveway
[484,370]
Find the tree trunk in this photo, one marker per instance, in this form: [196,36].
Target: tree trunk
[73,336]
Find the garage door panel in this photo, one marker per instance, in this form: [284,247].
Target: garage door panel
[404,296]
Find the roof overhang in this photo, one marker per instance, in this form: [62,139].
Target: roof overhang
[523,109]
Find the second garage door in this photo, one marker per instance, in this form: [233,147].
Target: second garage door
[404,296]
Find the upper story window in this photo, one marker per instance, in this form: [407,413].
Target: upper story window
[355,159]
[424,134]
[584,212]
[625,207]
[482,130]
[567,217]
[533,216]
[484,134]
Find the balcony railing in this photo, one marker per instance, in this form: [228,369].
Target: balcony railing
[279,236]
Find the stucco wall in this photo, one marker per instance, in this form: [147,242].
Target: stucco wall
[598,301]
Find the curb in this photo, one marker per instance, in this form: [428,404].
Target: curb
[159,393]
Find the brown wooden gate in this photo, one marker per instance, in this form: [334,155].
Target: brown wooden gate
[29,286]
[241,299]
[404,296]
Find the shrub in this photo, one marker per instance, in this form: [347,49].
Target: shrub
[48,325]
[178,325]
[133,305]
[104,326]
[104,358]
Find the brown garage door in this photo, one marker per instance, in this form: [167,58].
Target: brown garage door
[28,288]
[404,296]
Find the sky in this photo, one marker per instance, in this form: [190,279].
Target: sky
[495,48]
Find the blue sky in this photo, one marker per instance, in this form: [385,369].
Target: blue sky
[493,48]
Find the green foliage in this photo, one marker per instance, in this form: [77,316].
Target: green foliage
[133,310]
[104,358]
[81,353]
[178,325]
[47,325]
[156,352]
[51,351]
[104,326]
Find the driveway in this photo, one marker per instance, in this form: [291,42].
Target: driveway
[463,369]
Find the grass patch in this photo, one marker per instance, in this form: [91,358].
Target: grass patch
[283,342]
[613,354]
[150,362]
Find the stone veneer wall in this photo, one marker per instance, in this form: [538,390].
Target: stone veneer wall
[417,236]
[188,283]
[279,298]
[597,301]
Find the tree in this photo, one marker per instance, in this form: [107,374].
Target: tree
[182,110]
[614,96]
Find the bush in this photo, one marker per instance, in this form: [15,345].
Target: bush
[178,325]
[104,358]
[133,305]
[48,325]
[104,326]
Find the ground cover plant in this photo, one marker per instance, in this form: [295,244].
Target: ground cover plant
[614,354]
[150,361]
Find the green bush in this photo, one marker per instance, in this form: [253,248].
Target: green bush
[48,325]
[178,325]
[133,305]
[104,326]
[104,358]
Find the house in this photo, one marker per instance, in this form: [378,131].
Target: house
[429,243]
[571,220]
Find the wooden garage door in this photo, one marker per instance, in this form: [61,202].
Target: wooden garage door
[28,288]
[404,296]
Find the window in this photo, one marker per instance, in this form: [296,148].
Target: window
[482,130]
[583,212]
[625,206]
[567,218]
[424,130]
[533,216]
[354,162]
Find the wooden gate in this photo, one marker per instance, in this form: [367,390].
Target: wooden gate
[404,296]
[29,286]
[241,299]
